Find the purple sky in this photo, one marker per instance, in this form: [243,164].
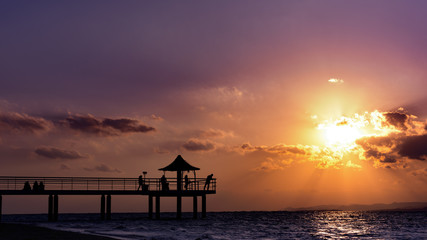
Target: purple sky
[85,83]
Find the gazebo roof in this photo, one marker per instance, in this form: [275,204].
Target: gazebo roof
[179,164]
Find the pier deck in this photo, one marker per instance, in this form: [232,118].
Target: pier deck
[106,187]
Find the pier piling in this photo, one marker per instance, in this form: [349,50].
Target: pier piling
[204,206]
[150,206]
[55,208]
[157,207]
[1,198]
[103,207]
[178,206]
[108,207]
[50,208]
[195,207]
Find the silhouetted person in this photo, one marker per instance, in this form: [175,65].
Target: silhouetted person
[27,186]
[165,185]
[41,186]
[208,182]
[35,186]
[186,182]
[140,182]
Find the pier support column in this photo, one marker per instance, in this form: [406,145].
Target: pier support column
[195,207]
[1,201]
[50,208]
[150,206]
[108,207]
[55,208]
[103,207]
[204,206]
[178,206]
[157,207]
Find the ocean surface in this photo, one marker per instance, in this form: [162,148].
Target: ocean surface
[244,225]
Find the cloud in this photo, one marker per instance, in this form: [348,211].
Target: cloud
[55,153]
[106,126]
[103,168]
[271,164]
[12,122]
[396,137]
[155,117]
[280,149]
[336,81]
[213,133]
[397,119]
[406,141]
[198,145]
[414,147]
[420,172]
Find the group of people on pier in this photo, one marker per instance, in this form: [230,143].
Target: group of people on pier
[36,186]
[165,184]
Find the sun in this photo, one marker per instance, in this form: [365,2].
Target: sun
[342,134]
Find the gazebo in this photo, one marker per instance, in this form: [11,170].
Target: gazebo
[179,165]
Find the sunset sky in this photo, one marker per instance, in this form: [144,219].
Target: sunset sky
[287,103]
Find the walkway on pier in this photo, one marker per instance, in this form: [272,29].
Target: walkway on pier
[105,188]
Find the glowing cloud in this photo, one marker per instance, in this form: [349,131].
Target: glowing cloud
[387,139]
[336,81]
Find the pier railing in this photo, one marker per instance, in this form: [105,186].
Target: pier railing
[98,183]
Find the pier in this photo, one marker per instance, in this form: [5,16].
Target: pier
[105,188]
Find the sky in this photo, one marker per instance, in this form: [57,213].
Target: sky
[287,103]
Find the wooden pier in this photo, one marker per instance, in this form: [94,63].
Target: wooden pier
[154,188]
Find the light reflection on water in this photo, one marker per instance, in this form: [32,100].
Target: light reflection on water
[368,225]
[334,224]
[247,225]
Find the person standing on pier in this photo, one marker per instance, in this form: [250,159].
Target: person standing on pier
[165,184]
[186,182]
[140,182]
[35,186]
[208,181]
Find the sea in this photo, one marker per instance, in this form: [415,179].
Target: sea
[244,225]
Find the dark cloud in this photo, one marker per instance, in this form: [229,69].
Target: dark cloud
[126,125]
[107,126]
[197,145]
[103,168]
[414,147]
[55,153]
[22,122]
[394,147]
[397,119]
